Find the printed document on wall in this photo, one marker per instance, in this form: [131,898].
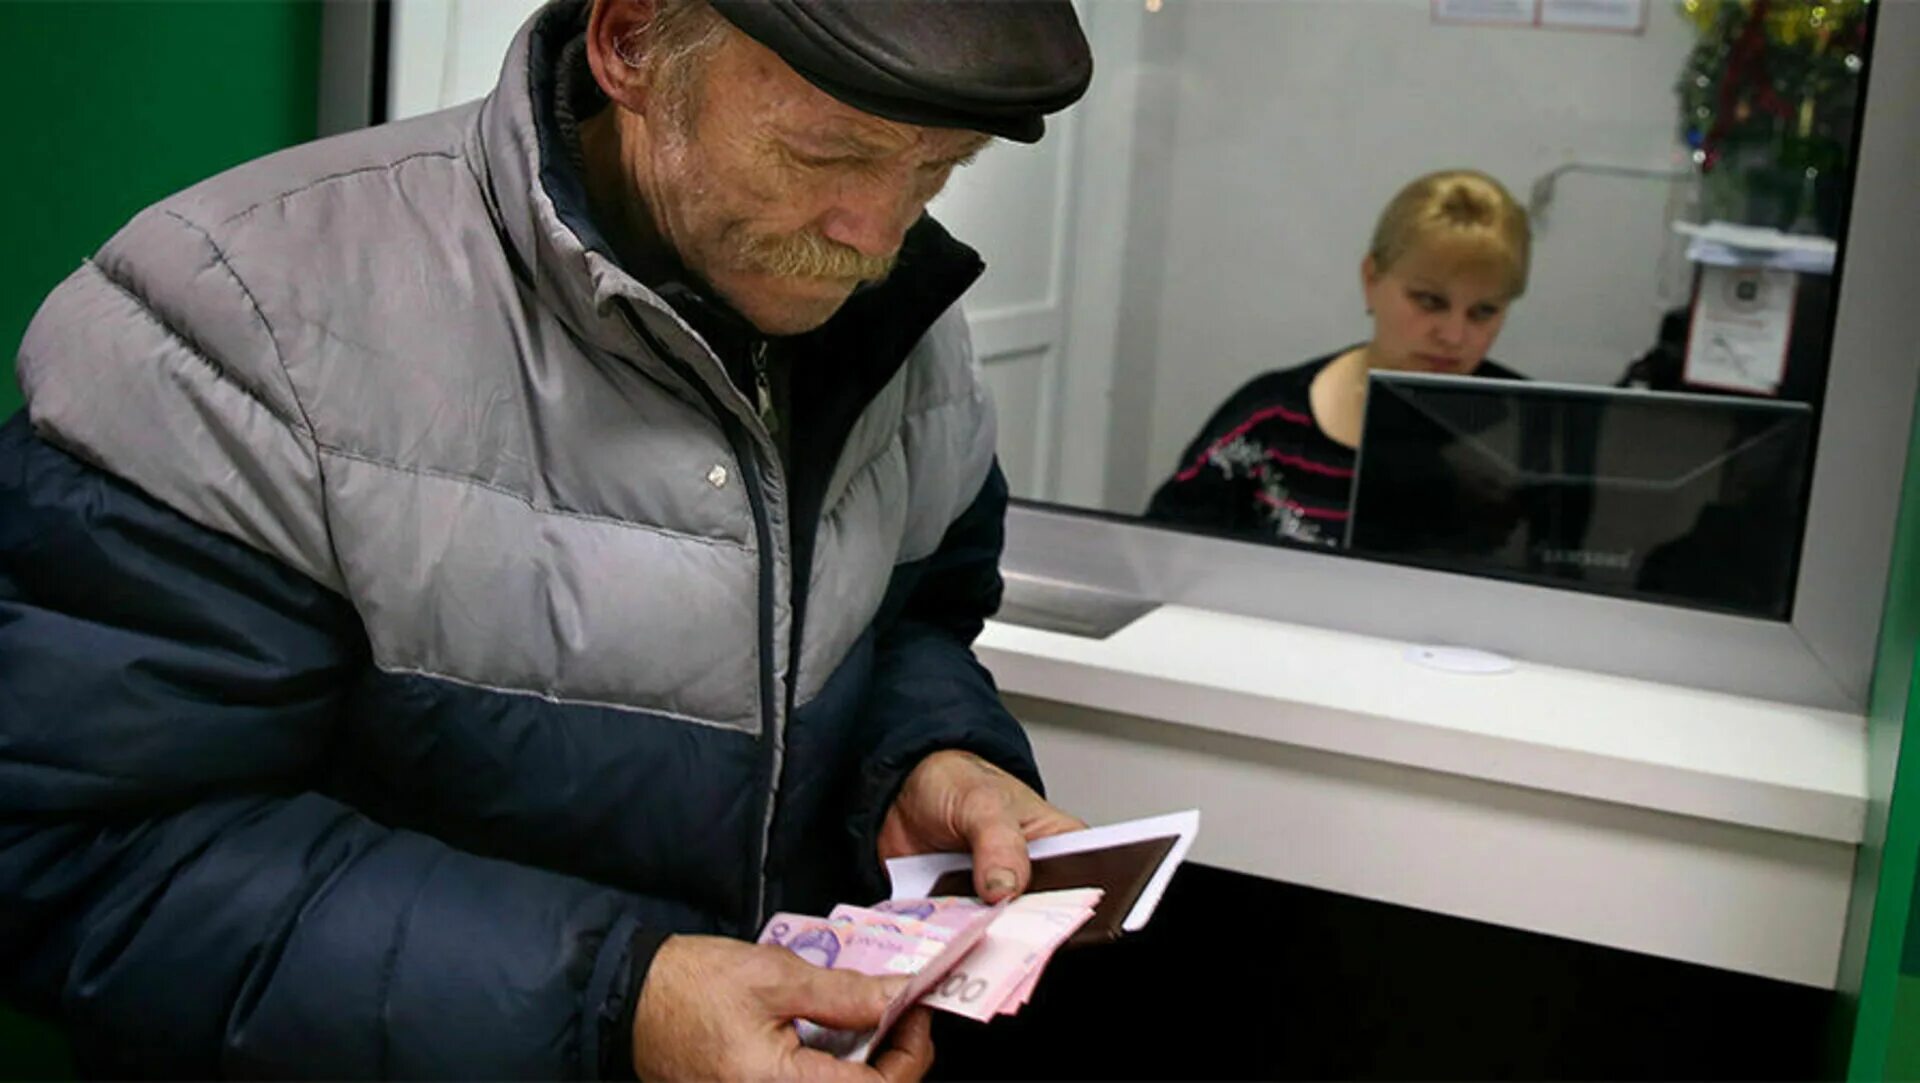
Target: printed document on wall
[1623,16]
[1742,318]
[1487,12]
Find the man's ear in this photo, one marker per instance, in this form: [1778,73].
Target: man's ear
[618,37]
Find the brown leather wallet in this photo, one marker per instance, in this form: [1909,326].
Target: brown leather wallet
[1121,871]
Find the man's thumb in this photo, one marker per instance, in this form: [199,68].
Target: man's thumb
[1000,865]
[841,999]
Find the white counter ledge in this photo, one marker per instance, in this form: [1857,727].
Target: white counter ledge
[1696,825]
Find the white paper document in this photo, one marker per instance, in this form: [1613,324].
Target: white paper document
[1487,12]
[1742,319]
[1723,244]
[1621,16]
[913,877]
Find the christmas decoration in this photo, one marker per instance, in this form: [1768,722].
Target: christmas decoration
[1768,98]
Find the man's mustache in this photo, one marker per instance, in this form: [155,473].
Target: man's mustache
[809,255]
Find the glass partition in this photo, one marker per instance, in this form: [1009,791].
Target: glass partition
[1611,230]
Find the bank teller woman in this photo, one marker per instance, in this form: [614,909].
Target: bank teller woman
[1276,461]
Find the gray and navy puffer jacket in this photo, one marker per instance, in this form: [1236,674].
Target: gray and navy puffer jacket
[405,622]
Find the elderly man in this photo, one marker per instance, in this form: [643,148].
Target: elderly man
[457,578]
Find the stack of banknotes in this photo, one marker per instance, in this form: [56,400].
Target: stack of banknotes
[1010,946]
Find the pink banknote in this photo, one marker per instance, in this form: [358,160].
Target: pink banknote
[839,944]
[873,949]
[1017,946]
[844,945]
[952,911]
[967,958]
[899,923]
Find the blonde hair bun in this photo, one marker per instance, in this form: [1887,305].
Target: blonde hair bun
[1464,209]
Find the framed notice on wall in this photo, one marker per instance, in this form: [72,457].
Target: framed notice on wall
[1487,12]
[1620,16]
[1742,321]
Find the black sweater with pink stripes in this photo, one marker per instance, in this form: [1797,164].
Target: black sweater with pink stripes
[1262,468]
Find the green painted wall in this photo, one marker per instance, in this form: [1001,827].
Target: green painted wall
[1903,1035]
[110,105]
[1885,1040]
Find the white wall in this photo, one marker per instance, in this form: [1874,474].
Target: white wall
[446,52]
[1014,205]
[1271,132]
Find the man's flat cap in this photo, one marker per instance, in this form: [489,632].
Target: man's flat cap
[995,66]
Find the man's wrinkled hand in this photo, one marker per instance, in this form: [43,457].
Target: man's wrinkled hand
[719,1009]
[955,800]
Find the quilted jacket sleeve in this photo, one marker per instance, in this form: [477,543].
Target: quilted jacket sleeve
[170,885]
[929,691]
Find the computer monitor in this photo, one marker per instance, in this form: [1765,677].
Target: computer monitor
[1680,498]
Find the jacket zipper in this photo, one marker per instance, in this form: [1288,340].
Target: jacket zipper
[772,726]
[763,390]
[776,727]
